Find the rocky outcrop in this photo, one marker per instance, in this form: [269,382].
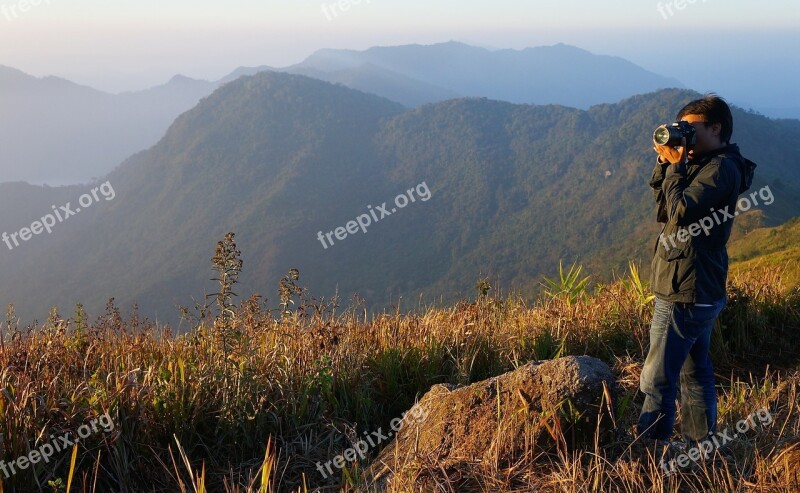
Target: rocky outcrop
[537,408]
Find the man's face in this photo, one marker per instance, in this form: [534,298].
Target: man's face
[707,135]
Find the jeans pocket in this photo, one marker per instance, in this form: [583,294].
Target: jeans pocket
[701,314]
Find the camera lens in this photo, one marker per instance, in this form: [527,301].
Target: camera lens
[662,135]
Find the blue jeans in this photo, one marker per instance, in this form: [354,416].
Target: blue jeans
[680,337]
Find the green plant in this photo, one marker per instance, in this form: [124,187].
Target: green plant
[635,284]
[569,287]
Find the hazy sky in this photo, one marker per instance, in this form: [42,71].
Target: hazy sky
[127,44]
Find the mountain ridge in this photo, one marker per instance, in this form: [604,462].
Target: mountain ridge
[278,158]
[450,66]
[83,133]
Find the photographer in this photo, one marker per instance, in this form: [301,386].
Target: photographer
[697,180]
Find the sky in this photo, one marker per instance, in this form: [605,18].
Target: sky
[118,45]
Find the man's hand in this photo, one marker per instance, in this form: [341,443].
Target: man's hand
[672,155]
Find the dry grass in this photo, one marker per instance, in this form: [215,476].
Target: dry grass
[251,401]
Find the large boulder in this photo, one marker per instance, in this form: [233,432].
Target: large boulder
[540,407]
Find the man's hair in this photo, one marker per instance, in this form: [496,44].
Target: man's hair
[715,110]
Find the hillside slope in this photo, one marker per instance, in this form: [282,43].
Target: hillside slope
[501,190]
[766,248]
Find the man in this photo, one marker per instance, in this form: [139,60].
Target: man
[696,190]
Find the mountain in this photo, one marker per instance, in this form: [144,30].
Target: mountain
[786,112]
[58,132]
[374,79]
[558,74]
[500,189]
[55,131]
[243,71]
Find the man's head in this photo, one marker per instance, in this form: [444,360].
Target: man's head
[711,117]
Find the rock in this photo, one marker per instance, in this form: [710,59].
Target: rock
[501,419]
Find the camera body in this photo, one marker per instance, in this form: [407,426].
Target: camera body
[671,135]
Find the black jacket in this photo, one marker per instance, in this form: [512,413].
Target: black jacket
[697,204]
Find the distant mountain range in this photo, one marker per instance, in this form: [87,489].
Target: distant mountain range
[55,131]
[58,132]
[283,159]
[558,74]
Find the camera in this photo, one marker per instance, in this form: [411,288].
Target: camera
[671,135]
